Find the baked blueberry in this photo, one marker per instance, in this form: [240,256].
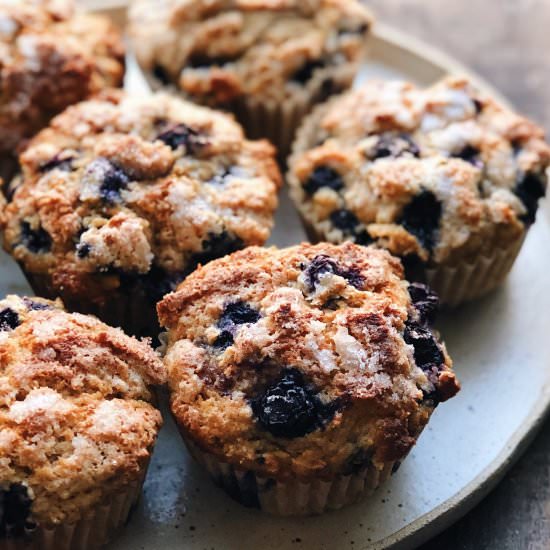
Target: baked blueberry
[305,72]
[394,146]
[9,320]
[83,250]
[59,162]
[530,189]
[182,135]
[323,176]
[427,352]
[217,245]
[345,220]
[34,305]
[290,408]
[421,217]
[114,180]
[425,301]
[199,60]
[363,238]
[36,240]
[224,340]
[324,264]
[238,313]
[161,74]
[470,154]
[319,266]
[15,508]
[358,461]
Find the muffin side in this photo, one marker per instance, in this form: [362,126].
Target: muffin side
[77,426]
[121,197]
[303,370]
[445,178]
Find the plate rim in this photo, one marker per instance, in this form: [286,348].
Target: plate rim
[451,510]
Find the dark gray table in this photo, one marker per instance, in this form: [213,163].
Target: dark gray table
[508,42]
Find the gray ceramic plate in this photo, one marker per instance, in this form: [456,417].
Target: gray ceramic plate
[501,349]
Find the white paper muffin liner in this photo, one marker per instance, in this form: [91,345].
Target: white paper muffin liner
[88,533]
[293,497]
[469,281]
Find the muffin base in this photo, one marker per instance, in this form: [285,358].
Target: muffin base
[86,534]
[293,497]
[135,314]
[468,281]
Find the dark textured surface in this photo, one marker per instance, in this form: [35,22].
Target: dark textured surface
[508,42]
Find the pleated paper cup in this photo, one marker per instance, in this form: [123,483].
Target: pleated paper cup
[292,497]
[468,281]
[91,532]
[278,121]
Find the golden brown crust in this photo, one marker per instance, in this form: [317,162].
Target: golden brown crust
[76,425]
[472,168]
[122,190]
[51,57]
[219,51]
[328,318]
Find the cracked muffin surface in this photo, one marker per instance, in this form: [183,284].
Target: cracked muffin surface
[123,196]
[51,56]
[76,422]
[441,175]
[220,50]
[308,362]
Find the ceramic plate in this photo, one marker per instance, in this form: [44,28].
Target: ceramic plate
[501,350]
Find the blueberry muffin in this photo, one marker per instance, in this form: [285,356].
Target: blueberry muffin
[444,177]
[76,425]
[302,377]
[121,197]
[50,57]
[269,61]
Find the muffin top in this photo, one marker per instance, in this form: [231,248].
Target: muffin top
[442,174]
[51,57]
[304,362]
[76,425]
[122,187]
[219,50]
